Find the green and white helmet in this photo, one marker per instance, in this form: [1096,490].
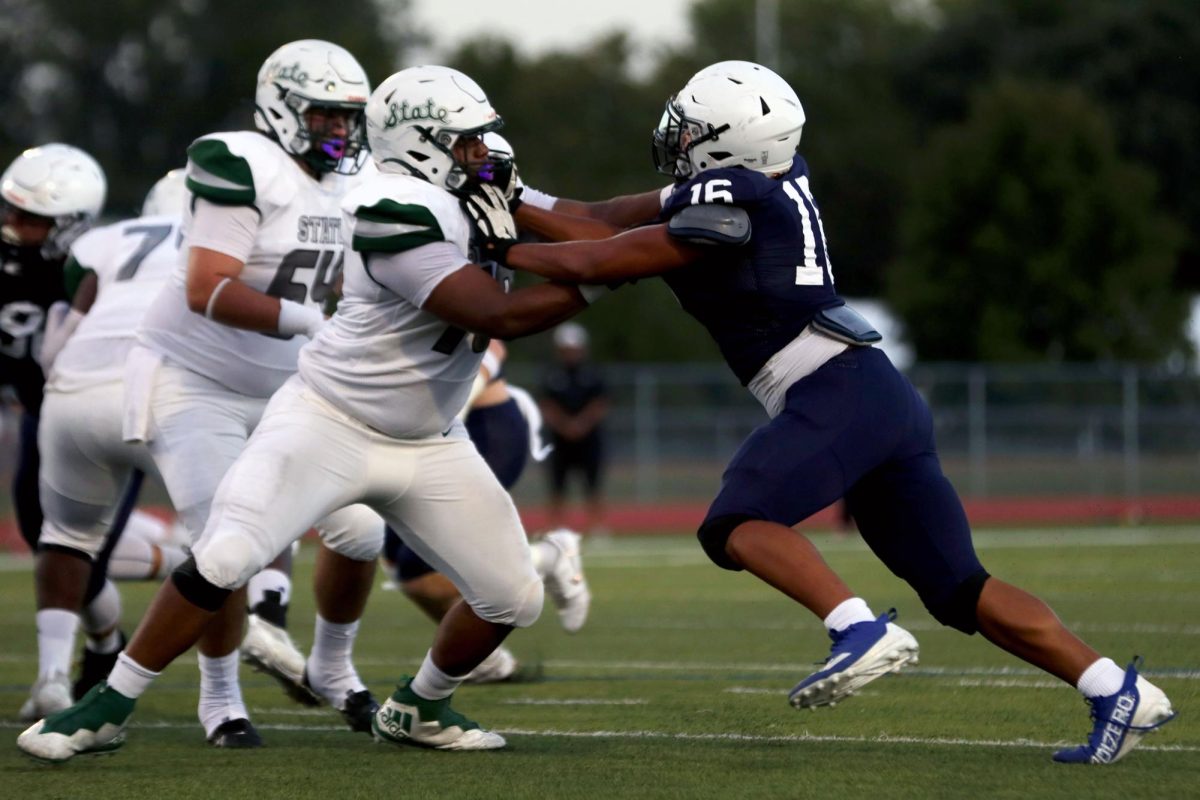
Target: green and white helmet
[60,182]
[415,118]
[305,74]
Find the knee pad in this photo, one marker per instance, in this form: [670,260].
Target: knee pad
[958,609]
[355,532]
[529,605]
[520,608]
[228,557]
[196,589]
[714,535]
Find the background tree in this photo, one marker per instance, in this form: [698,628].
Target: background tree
[134,82]
[1029,238]
[1136,59]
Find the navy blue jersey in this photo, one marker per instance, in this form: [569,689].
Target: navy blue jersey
[29,284]
[756,298]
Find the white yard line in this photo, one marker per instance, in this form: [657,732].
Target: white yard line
[799,738]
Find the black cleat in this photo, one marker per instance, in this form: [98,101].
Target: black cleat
[359,710]
[235,733]
[95,668]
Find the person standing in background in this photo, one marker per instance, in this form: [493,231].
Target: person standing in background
[574,402]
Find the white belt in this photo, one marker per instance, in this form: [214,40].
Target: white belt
[801,357]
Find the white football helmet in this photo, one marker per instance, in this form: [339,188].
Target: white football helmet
[724,120]
[60,182]
[307,74]
[415,118]
[750,73]
[167,195]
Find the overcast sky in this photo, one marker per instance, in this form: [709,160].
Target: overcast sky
[540,25]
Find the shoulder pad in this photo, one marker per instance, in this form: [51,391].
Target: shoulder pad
[711,224]
[239,168]
[392,214]
[216,173]
[388,226]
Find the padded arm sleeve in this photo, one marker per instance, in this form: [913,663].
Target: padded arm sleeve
[711,224]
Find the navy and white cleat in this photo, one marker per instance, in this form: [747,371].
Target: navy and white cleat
[1121,720]
[860,654]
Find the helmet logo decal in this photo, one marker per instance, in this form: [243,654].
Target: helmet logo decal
[291,72]
[403,112]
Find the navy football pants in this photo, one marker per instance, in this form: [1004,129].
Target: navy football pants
[856,428]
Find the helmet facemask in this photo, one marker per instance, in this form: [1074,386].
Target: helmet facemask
[319,148]
[675,137]
[460,176]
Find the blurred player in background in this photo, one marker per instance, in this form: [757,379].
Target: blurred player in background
[113,273]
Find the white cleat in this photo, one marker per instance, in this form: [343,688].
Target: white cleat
[270,650]
[565,583]
[48,695]
[407,719]
[860,654]
[499,666]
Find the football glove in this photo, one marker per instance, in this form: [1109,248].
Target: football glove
[493,229]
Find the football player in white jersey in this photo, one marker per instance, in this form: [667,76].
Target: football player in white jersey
[115,272]
[372,417]
[262,257]
[505,424]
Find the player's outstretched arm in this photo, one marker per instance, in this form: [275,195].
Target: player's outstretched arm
[472,300]
[638,253]
[621,212]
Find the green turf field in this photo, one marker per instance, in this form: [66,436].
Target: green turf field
[677,688]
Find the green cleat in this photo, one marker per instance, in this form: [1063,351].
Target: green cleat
[409,719]
[93,726]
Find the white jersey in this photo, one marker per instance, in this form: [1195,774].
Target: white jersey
[131,260]
[382,359]
[296,255]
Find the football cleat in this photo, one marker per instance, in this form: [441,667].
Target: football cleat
[1120,720]
[409,719]
[565,584]
[358,709]
[93,726]
[235,734]
[48,695]
[96,667]
[268,649]
[499,666]
[860,654]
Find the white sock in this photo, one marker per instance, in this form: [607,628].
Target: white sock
[545,556]
[130,678]
[103,614]
[330,670]
[56,629]
[269,580]
[220,692]
[1102,678]
[849,612]
[431,683]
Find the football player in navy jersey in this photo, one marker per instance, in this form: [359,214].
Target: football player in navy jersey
[51,194]
[741,244]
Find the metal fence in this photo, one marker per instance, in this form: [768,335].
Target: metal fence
[1075,429]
